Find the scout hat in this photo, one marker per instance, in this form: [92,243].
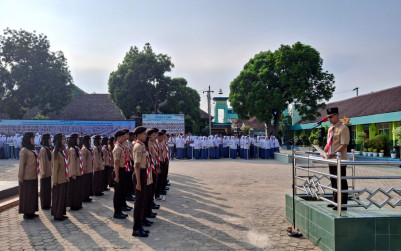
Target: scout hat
[139,129]
[333,110]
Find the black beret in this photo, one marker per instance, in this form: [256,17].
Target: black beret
[97,137]
[161,133]
[164,131]
[139,129]
[57,136]
[125,131]
[333,110]
[151,130]
[119,134]
[87,137]
[131,134]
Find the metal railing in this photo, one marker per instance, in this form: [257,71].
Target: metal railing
[312,182]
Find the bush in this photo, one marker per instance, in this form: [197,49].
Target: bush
[397,134]
[360,139]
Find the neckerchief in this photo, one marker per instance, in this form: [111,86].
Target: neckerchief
[81,163]
[329,140]
[65,162]
[37,161]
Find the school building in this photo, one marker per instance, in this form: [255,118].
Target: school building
[374,113]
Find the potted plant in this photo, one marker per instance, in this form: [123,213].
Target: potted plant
[375,153]
[365,152]
[393,154]
[381,154]
[370,154]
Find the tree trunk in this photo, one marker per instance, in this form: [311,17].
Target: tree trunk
[277,118]
[268,127]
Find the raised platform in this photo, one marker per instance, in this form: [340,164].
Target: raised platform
[357,228]
[8,189]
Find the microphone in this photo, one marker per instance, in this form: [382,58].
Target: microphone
[321,121]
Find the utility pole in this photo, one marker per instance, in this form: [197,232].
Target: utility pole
[209,110]
[356,89]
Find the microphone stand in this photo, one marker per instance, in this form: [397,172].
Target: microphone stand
[293,231]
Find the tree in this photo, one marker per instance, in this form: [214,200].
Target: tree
[31,75]
[138,85]
[271,81]
[182,99]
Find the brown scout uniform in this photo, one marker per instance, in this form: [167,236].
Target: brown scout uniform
[139,154]
[74,186]
[45,179]
[60,184]
[88,173]
[120,187]
[28,189]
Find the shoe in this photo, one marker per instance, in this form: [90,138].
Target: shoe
[146,223]
[65,217]
[99,194]
[46,208]
[139,233]
[28,217]
[126,215]
[163,192]
[154,214]
[155,206]
[166,188]
[161,198]
[107,189]
[126,208]
[342,208]
[330,205]
[75,208]
[146,231]
[34,215]
[87,200]
[59,219]
[129,207]
[168,184]
[130,199]
[119,216]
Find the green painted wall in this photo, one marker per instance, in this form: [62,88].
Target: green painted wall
[373,131]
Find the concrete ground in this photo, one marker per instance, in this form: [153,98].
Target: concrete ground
[211,205]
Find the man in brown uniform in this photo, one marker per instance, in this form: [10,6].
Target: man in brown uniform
[120,164]
[141,160]
[45,172]
[337,141]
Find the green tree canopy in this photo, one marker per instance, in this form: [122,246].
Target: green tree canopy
[139,85]
[182,99]
[31,75]
[271,81]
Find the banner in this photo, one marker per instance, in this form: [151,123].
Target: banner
[172,123]
[9,127]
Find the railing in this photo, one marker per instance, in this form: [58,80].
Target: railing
[312,182]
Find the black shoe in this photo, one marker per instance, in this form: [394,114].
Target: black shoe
[330,205]
[60,219]
[126,208]
[154,214]
[119,216]
[168,184]
[46,208]
[155,206]
[99,194]
[163,192]
[146,231]
[166,188]
[28,217]
[147,223]
[126,215]
[130,198]
[139,233]
[342,208]
[106,189]
[87,200]
[65,217]
[75,208]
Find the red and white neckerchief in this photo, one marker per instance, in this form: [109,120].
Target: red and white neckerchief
[126,159]
[104,147]
[329,140]
[37,161]
[110,157]
[129,155]
[148,163]
[65,162]
[156,153]
[81,163]
[167,151]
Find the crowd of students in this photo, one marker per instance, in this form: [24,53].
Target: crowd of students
[74,168]
[216,147]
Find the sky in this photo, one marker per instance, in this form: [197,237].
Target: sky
[209,41]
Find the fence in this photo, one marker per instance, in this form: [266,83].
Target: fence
[313,185]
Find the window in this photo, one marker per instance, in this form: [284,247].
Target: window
[220,113]
[384,129]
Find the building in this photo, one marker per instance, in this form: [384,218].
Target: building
[375,113]
[223,116]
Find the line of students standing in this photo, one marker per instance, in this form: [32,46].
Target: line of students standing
[71,175]
[216,147]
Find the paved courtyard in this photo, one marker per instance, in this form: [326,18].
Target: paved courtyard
[211,205]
